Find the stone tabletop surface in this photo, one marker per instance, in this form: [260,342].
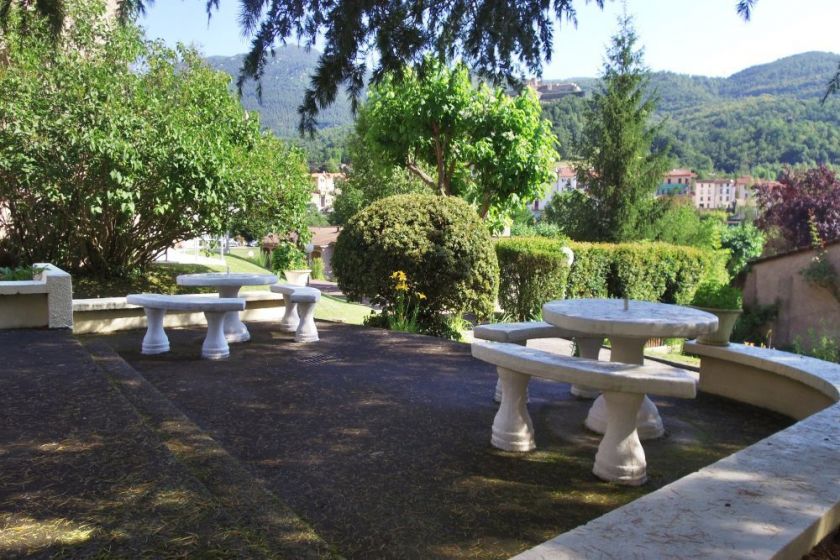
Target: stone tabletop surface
[642,319]
[225,279]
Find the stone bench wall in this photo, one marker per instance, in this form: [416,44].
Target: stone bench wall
[103,315]
[46,301]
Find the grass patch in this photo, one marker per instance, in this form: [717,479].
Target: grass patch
[677,357]
[332,308]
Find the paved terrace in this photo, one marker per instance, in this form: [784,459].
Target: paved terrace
[369,444]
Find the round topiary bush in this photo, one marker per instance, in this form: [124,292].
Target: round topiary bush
[439,242]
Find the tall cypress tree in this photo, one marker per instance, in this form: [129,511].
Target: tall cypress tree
[619,168]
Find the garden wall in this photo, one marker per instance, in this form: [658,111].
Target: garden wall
[103,315]
[801,306]
[46,301]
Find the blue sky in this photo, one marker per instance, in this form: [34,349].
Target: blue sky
[704,37]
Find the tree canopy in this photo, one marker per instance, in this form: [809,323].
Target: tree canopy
[618,167]
[499,40]
[113,148]
[798,199]
[474,142]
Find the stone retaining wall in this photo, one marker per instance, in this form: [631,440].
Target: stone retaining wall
[104,315]
[46,301]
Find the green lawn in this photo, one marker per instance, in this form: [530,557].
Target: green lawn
[332,308]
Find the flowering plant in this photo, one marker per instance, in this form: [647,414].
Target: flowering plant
[406,305]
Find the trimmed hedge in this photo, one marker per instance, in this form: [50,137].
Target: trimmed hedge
[439,242]
[532,271]
[644,271]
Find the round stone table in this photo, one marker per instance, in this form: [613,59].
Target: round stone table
[628,329]
[228,285]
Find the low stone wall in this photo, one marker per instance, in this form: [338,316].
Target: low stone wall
[46,301]
[775,499]
[802,307]
[103,315]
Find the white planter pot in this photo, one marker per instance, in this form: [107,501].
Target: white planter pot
[298,277]
[726,322]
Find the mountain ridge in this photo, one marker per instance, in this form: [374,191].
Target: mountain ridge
[763,115]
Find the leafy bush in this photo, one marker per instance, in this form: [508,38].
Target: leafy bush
[714,295]
[318,269]
[819,345]
[8,274]
[644,271]
[539,229]
[287,257]
[753,325]
[532,271]
[797,200]
[744,244]
[439,242]
[113,147]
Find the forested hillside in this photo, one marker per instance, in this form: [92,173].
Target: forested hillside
[753,121]
[283,84]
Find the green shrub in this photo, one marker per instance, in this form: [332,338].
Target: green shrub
[818,345]
[113,147]
[644,271]
[532,271]
[439,242]
[317,269]
[754,324]
[714,295]
[287,257]
[19,273]
[539,229]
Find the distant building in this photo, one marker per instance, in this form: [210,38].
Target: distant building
[677,182]
[723,194]
[323,246]
[551,91]
[565,180]
[716,194]
[324,190]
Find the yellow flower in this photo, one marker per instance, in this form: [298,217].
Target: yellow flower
[401,281]
[421,296]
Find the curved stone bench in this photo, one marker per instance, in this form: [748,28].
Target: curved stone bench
[620,456]
[520,333]
[795,385]
[775,499]
[156,305]
[299,317]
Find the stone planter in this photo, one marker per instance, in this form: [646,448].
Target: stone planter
[726,322]
[298,277]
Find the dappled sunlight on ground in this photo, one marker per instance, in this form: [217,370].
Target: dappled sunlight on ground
[380,440]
